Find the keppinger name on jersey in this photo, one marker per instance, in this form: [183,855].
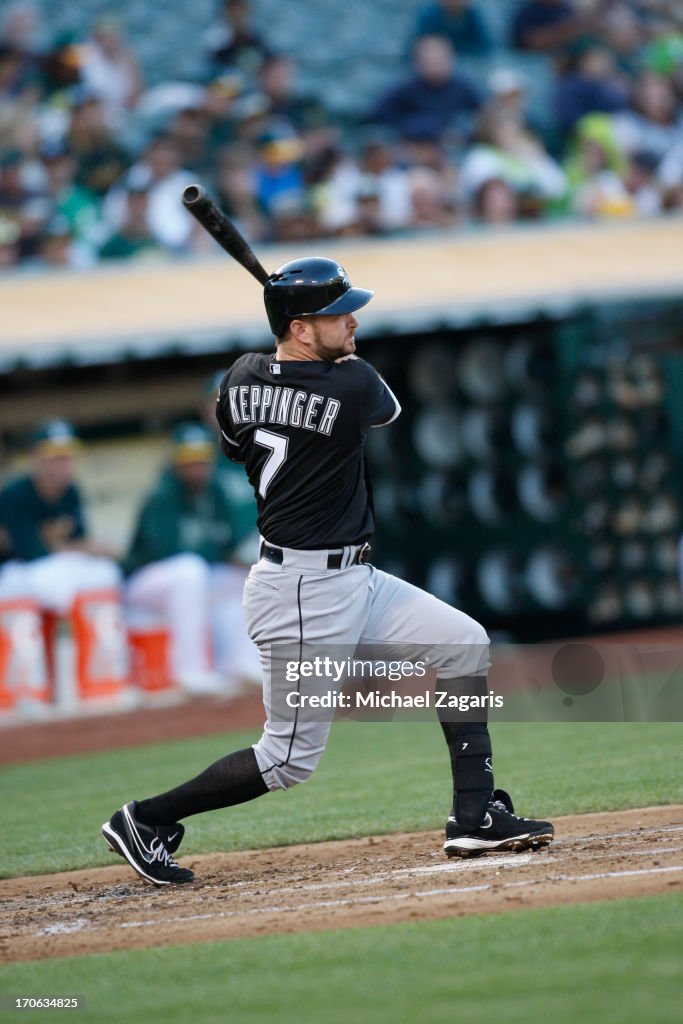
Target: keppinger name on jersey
[256,403]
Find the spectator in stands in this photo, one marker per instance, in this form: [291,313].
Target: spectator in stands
[109,69]
[21,31]
[277,83]
[509,95]
[596,171]
[506,152]
[189,130]
[236,192]
[367,210]
[434,99]
[641,183]
[17,103]
[495,203]
[432,206]
[233,42]
[508,91]
[73,209]
[418,153]
[60,69]
[16,229]
[625,30]
[381,172]
[664,52]
[670,176]
[551,26]
[277,175]
[160,173]
[369,195]
[100,157]
[591,84]
[133,239]
[654,124]
[179,560]
[52,559]
[31,209]
[293,218]
[219,106]
[333,183]
[251,116]
[458,21]
[56,248]
[10,250]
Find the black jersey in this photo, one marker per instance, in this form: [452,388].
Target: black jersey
[300,429]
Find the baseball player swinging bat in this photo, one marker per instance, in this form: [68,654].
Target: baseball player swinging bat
[203,208]
[297,418]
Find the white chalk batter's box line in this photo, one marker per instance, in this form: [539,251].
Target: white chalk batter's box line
[489,863]
[380,899]
[515,859]
[464,866]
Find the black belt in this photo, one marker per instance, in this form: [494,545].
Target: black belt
[334,559]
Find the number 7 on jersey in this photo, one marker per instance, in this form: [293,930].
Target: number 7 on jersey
[277,445]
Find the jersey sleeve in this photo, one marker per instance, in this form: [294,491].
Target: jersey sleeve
[381,405]
[229,444]
[20,524]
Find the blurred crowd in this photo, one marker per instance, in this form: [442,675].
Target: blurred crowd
[93,160]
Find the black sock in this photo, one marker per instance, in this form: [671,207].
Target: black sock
[233,779]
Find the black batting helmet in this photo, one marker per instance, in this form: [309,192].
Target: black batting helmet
[309,286]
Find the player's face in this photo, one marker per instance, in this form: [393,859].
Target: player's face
[55,471]
[334,336]
[195,475]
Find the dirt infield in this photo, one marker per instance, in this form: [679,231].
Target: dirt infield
[361,882]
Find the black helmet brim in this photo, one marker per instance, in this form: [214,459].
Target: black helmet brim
[349,302]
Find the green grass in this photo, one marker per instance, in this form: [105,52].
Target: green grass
[374,778]
[615,962]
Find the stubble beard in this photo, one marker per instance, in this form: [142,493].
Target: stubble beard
[325,352]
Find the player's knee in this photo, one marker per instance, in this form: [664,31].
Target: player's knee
[470,655]
[106,573]
[287,772]
[476,635]
[294,773]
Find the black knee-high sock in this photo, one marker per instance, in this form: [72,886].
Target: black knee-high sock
[469,746]
[232,779]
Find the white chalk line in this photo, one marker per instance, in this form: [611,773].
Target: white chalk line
[488,863]
[491,862]
[398,874]
[466,866]
[636,832]
[392,897]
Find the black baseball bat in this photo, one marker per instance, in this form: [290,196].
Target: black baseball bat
[204,209]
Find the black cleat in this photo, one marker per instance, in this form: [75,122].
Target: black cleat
[170,835]
[144,847]
[501,829]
